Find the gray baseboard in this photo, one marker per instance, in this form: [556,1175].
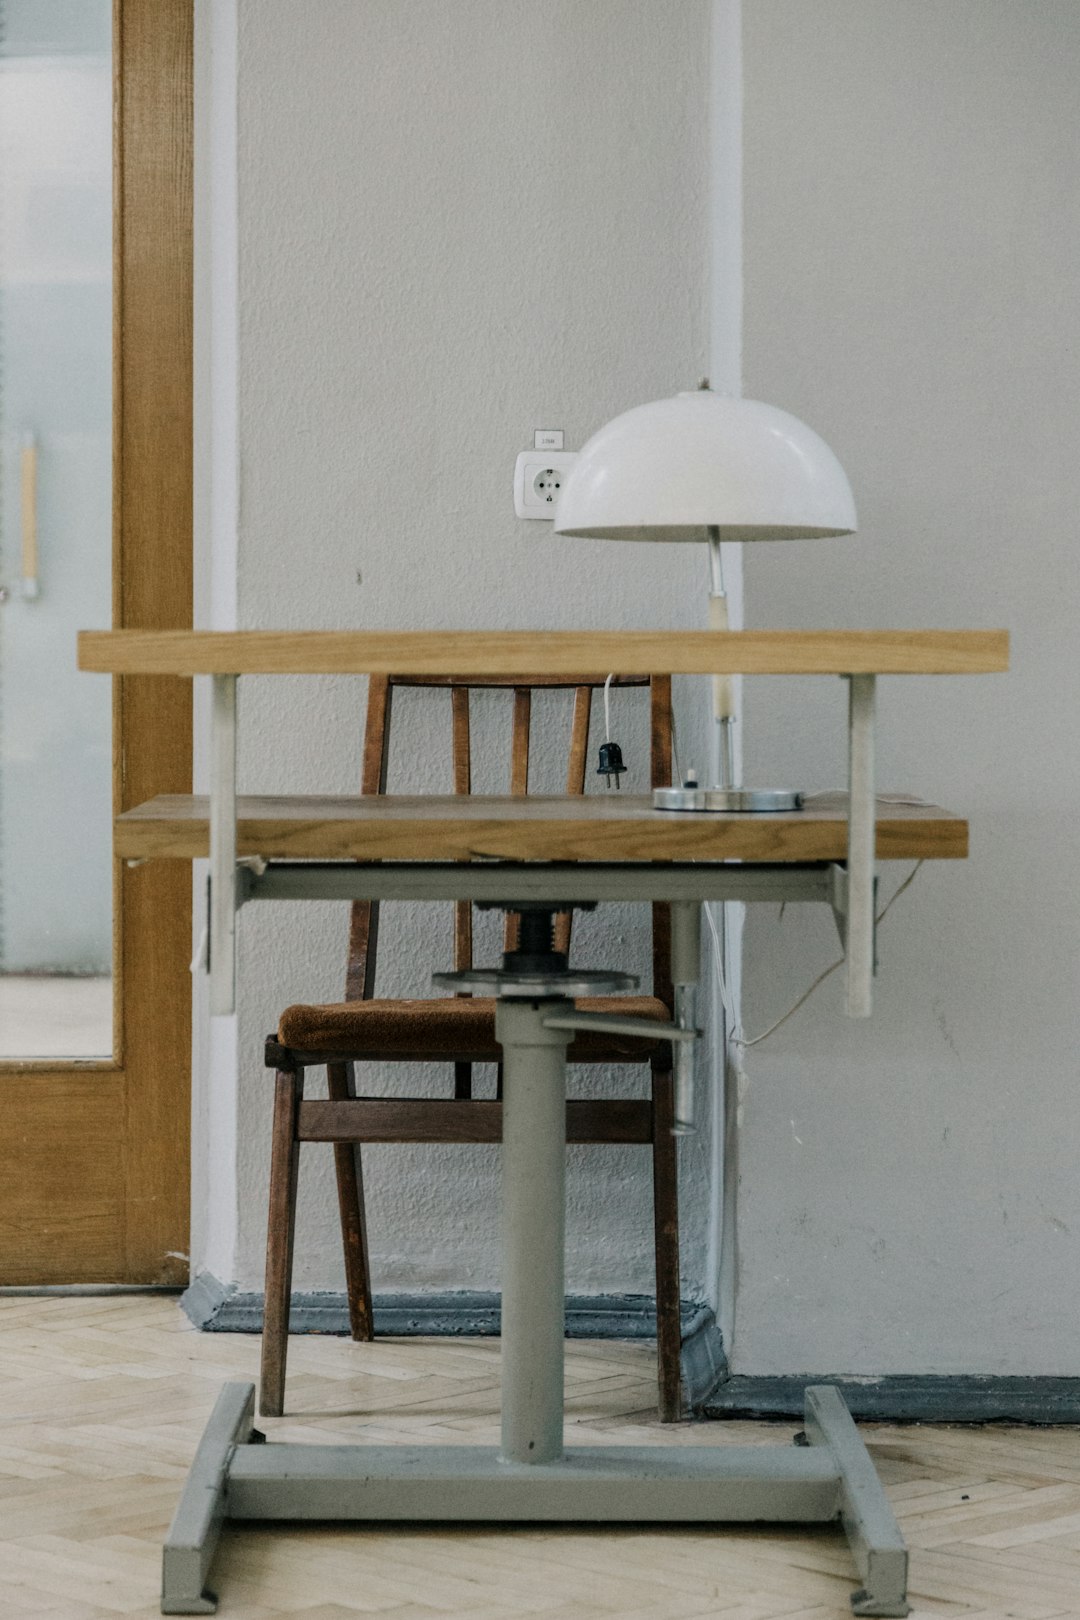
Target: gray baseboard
[905,1398]
[216,1308]
[708,1389]
[704,1364]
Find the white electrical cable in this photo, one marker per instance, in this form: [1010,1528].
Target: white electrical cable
[738,1040]
[675,751]
[607,708]
[718,957]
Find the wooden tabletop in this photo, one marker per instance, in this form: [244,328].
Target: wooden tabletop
[546,652]
[597,827]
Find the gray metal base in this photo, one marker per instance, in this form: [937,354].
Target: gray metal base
[829,1476]
[193,1535]
[531,1477]
[728,801]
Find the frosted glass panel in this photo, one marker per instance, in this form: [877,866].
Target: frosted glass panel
[55,521]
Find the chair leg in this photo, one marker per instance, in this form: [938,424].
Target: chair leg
[666,1229]
[341,1084]
[281,1226]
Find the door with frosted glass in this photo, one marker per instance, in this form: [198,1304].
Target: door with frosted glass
[55,527]
[95,530]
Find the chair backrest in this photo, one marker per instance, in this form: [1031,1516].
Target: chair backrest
[364,924]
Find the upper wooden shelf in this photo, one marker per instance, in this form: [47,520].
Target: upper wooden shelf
[546,652]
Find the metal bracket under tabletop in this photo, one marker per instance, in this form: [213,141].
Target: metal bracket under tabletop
[229,887]
[498,881]
[862,835]
[838,900]
[687,882]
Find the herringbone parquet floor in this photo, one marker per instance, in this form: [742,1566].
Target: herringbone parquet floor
[102,1401]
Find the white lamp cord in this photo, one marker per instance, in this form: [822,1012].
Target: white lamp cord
[738,1039]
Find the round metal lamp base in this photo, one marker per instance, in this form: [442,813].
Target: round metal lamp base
[727,800]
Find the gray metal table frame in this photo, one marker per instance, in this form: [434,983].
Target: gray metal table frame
[530,1476]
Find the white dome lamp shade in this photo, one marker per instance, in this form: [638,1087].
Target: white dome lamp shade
[708,467]
[676,468]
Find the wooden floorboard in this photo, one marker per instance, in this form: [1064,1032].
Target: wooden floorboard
[104,1400]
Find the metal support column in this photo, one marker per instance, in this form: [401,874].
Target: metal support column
[533,1219]
[861,838]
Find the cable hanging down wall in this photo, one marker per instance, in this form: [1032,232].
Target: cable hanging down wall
[741,1042]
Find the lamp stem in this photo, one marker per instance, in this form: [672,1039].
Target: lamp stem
[716,562]
[723,694]
[727,761]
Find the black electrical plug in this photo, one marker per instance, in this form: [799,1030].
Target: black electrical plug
[611,763]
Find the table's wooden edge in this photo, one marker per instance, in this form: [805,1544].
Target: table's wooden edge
[941,836]
[555,652]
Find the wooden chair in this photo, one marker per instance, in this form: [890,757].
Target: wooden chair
[459,1030]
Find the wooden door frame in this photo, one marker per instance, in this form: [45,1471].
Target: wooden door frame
[95,1156]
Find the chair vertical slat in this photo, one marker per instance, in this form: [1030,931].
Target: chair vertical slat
[575,783]
[660,726]
[579,741]
[519,764]
[660,756]
[519,780]
[364,917]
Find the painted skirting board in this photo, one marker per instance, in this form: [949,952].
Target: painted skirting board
[905,1398]
[708,1389]
[216,1308]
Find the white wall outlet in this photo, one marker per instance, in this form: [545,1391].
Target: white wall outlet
[538,479]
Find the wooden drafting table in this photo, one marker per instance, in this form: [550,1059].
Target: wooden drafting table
[557,849]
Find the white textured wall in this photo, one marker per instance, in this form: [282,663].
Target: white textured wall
[457,222]
[908,1195]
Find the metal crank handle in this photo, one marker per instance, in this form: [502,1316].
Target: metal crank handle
[682,1034]
[614,1025]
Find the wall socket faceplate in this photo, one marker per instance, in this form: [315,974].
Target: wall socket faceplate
[538,478]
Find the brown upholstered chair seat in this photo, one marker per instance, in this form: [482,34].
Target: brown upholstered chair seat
[459,1027]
